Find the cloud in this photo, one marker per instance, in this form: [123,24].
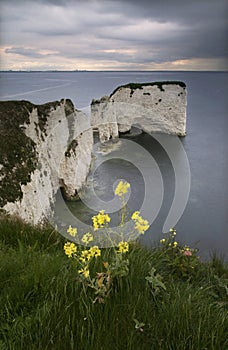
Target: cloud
[28,52]
[90,33]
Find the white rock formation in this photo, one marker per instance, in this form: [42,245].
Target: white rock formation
[47,146]
[154,107]
[63,141]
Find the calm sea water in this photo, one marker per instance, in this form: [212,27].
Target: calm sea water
[205,219]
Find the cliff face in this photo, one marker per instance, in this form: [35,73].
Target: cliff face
[154,107]
[42,148]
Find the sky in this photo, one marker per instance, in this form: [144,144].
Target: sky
[114,35]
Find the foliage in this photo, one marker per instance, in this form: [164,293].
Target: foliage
[100,276]
[44,305]
[181,260]
[155,280]
[159,84]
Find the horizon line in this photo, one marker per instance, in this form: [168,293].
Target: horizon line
[108,70]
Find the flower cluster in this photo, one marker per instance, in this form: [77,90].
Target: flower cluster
[100,220]
[186,251]
[170,242]
[83,256]
[72,231]
[141,225]
[88,254]
[175,244]
[123,247]
[173,231]
[122,188]
[182,260]
[87,238]
[70,249]
[84,271]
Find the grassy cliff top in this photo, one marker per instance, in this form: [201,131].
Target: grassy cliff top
[159,84]
[45,306]
[15,113]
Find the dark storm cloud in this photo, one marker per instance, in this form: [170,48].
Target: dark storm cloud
[129,31]
[203,26]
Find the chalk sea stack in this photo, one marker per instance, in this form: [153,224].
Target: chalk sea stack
[153,107]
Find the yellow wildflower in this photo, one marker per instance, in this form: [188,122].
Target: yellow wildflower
[100,220]
[141,225]
[175,244]
[72,231]
[87,237]
[141,228]
[122,188]
[84,272]
[135,215]
[95,251]
[173,231]
[85,256]
[162,240]
[95,224]
[123,247]
[70,249]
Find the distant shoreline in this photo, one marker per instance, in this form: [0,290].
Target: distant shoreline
[114,71]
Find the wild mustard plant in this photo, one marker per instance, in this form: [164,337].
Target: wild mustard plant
[114,261]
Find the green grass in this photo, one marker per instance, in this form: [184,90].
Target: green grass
[159,84]
[44,306]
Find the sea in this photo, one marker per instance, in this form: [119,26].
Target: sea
[204,222]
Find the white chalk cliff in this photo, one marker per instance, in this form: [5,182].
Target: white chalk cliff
[43,147]
[153,107]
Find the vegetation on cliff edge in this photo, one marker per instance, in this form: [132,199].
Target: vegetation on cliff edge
[159,84]
[44,306]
